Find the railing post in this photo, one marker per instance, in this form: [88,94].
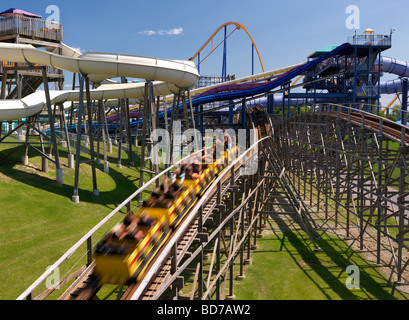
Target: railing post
[219,220]
[59,170]
[75,197]
[200,276]
[401,199]
[404,100]
[89,250]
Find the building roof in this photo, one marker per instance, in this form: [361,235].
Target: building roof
[323,51]
[12,11]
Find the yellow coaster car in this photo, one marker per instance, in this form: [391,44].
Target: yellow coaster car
[123,255]
[119,260]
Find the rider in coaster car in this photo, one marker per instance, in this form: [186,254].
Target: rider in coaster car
[129,218]
[180,170]
[168,200]
[196,169]
[152,200]
[145,220]
[192,172]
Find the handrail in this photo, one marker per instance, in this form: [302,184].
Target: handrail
[167,249]
[344,106]
[30,27]
[338,107]
[372,114]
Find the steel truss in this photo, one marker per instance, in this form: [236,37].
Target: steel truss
[359,163]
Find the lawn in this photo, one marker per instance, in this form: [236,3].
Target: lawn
[38,220]
[39,223]
[285,267]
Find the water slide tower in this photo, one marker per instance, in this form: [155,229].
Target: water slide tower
[19,26]
[19,80]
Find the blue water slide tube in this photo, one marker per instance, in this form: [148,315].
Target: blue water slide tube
[224,96]
[261,89]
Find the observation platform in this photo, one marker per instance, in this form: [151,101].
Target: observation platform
[18,26]
[352,74]
[31,28]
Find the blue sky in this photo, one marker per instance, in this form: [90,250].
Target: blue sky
[285,32]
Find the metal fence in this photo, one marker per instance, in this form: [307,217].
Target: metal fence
[7,64]
[209,80]
[370,40]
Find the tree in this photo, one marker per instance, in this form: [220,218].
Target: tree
[395,112]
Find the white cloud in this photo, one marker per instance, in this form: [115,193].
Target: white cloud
[147,32]
[77,49]
[173,31]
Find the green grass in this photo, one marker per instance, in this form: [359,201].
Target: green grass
[39,222]
[285,267]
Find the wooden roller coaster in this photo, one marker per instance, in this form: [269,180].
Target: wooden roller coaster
[189,237]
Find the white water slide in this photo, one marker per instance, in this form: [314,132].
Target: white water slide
[168,76]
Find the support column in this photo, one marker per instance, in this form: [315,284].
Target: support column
[95,190]
[201,256]
[59,170]
[231,295]
[404,101]
[149,126]
[75,197]
[121,131]
[379,194]
[154,127]
[400,237]
[241,275]
[128,132]
[105,136]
